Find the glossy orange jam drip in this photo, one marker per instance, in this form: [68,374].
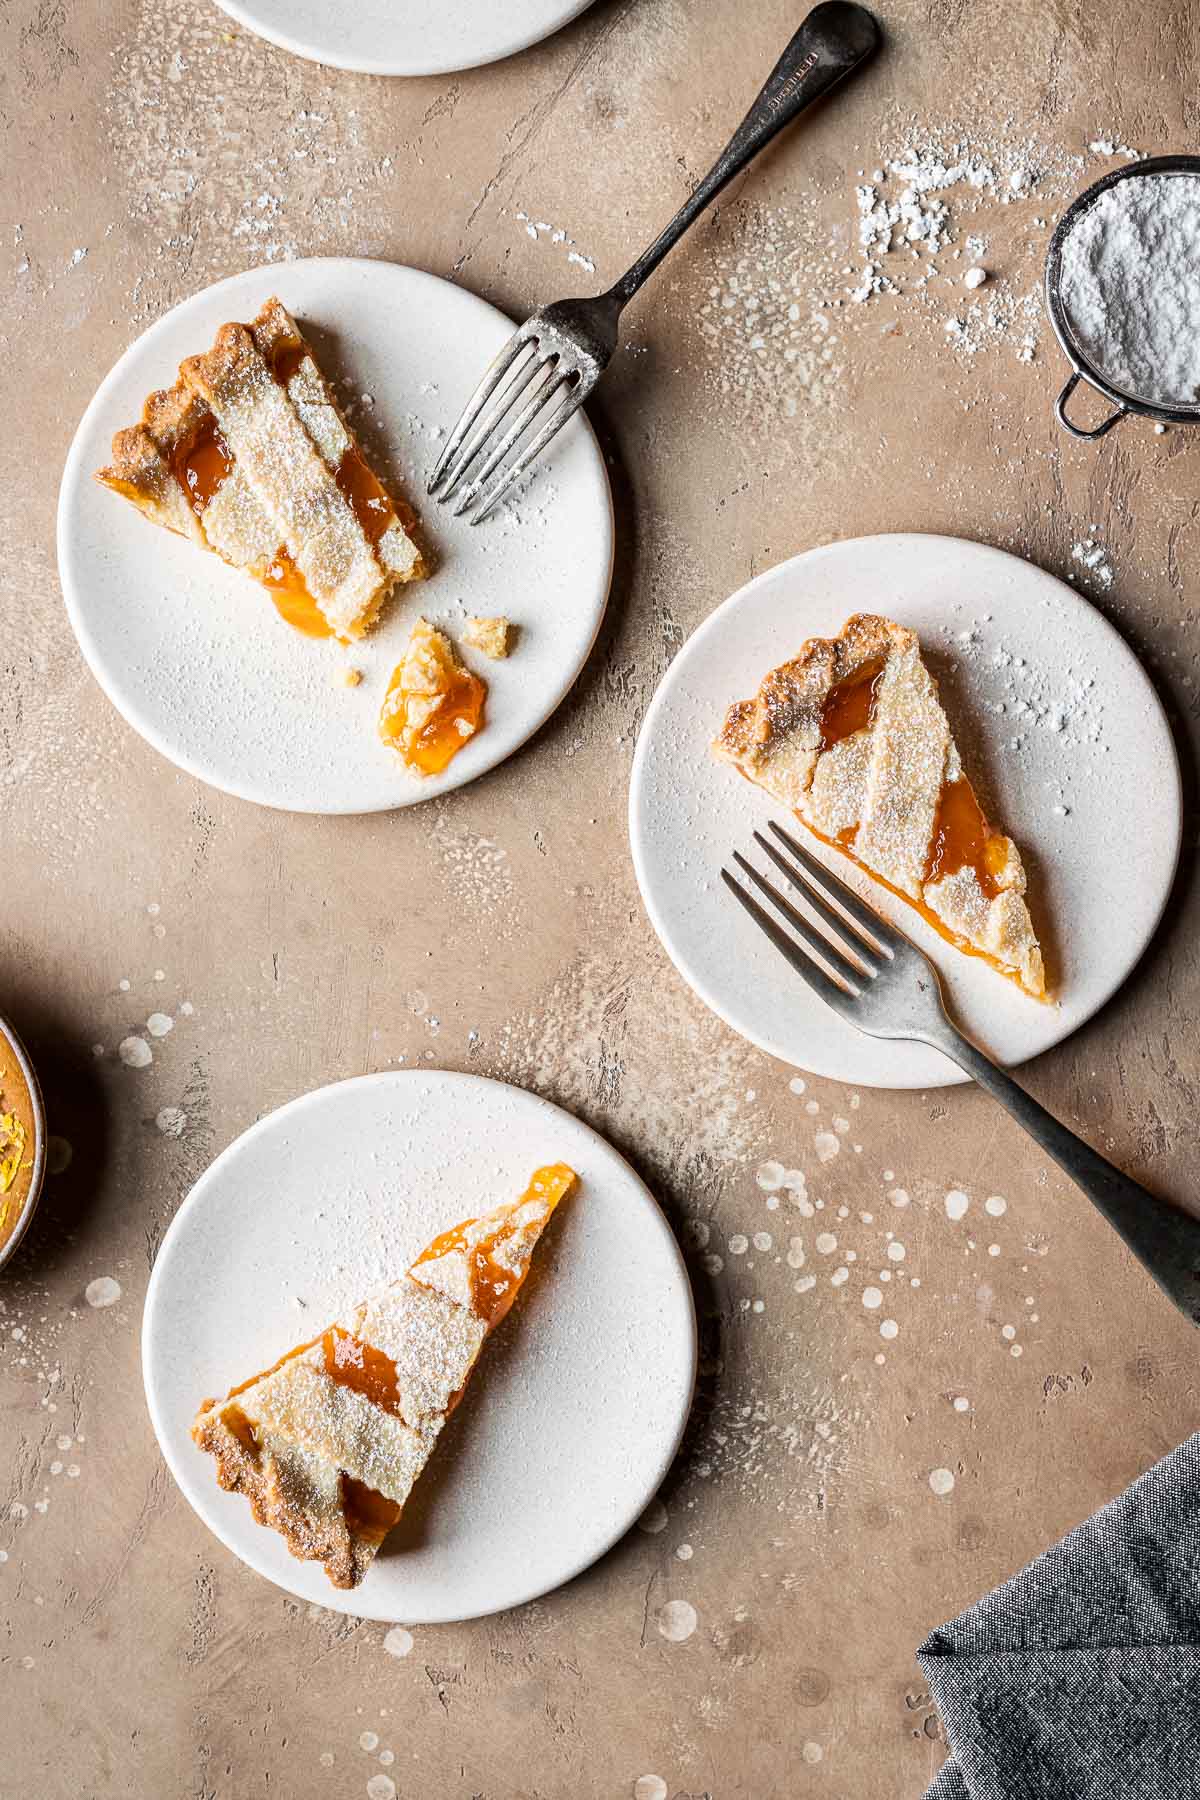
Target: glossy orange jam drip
[201,464]
[454,719]
[293,602]
[372,507]
[850,704]
[286,359]
[284,581]
[369,1514]
[493,1286]
[930,917]
[963,839]
[352,1363]
[235,1420]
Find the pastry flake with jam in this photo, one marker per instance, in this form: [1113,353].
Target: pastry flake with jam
[327,1443]
[248,455]
[434,704]
[851,734]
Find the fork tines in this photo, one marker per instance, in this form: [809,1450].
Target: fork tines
[495,441]
[847,946]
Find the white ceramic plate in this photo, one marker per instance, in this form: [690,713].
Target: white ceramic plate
[1091,794]
[404,37]
[579,1402]
[193,653]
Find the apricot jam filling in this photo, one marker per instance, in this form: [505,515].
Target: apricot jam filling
[429,729]
[369,499]
[352,1363]
[850,704]
[201,463]
[844,841]
[963,839]
[291,598]
[286,359]
[494,1287]
[369,1514]
[962,836]
[235,1420]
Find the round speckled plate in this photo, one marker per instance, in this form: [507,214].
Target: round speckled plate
[579,1402]
[1059,727]
[404,37]
[194,654]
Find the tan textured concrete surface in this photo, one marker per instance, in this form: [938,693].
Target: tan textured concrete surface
[136,1656]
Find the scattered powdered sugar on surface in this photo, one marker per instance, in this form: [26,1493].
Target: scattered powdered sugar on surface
[543,232]
[1062,704]
[135,1052]
[941,1481]
[1092,556]
[912,211]
[1130,283]
[171,1121]
[398,1641]
[771,340]
[649,1787]
[476,868]
[320,186]
[677,1620]
[105,1290]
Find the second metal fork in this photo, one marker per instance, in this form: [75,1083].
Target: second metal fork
[550,365]
[878,980]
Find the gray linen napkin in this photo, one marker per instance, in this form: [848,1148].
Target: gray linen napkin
[1079,1679]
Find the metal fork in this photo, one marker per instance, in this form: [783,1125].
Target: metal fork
[878,980]
[554,360]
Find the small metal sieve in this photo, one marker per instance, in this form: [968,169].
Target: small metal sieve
[1083,369]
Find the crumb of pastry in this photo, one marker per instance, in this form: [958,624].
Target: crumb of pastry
[495,637]
[347,677]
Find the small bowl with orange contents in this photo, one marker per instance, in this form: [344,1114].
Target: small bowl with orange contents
[22,1141]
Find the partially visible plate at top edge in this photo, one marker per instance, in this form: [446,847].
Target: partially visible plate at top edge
[1061,731]
[415,37]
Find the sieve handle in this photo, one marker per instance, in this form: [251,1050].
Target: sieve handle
[1080,431]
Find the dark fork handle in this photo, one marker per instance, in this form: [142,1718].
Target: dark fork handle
[1165,1241]
[833,40]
